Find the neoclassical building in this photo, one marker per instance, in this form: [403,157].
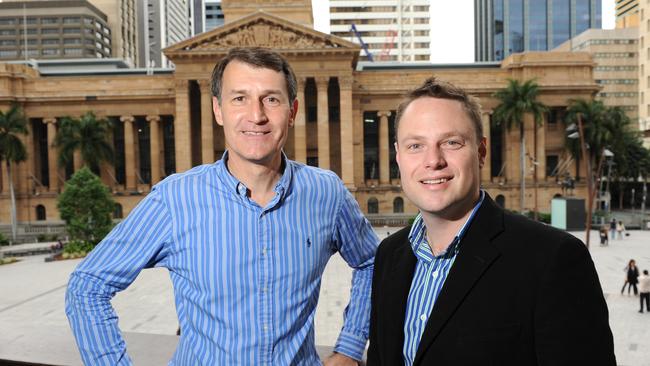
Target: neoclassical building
[163,123]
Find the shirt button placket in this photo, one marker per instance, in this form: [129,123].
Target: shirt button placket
[264,295]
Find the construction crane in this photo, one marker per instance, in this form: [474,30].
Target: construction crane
[353,29]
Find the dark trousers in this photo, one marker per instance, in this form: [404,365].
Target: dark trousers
[630,286]
[645,296]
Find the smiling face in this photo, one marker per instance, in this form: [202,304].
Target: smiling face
[439,157]
[255,113]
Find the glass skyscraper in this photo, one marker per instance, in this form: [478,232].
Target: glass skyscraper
[503,27]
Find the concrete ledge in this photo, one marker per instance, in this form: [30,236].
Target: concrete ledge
[55,346]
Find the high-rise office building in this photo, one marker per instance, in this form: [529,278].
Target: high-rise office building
[162,23]
[205,15]
[627,13]
[122,21]
[392,30]
[644,71]
[504,27]
[615,52]
[48,30]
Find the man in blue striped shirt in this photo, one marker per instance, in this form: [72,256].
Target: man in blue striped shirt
[468,283]
[245,239]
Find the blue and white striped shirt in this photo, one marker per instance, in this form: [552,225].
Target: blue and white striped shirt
[430,274]
[246,278]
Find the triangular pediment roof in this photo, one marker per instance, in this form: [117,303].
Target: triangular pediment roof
[261,29]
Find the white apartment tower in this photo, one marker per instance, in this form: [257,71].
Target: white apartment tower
[392,30]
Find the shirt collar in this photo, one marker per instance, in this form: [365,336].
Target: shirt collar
[240,189]
[418,235]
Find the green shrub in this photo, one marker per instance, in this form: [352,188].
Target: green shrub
[86,206]
[45,238]
[77,249]
[3,240]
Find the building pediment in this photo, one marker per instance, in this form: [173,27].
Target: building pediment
[262,30]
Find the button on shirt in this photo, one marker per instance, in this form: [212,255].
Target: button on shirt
[430,274]
[246,278]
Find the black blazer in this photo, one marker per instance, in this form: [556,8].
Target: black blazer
[519,293]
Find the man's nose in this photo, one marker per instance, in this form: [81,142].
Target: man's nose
[434,158]
[258,113]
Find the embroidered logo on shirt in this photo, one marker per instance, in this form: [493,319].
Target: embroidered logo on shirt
[308,242]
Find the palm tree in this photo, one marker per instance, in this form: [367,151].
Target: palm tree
[88,135]
[600,125]
[12,150]
[517,100]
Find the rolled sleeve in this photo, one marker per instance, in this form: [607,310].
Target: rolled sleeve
[137,242]
[357,244]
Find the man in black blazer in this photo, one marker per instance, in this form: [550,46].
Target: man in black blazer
[468,283]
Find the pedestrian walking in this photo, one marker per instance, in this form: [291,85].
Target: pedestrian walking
[604,240]
[612,228]
[620,229]
[644,289]
[632,277]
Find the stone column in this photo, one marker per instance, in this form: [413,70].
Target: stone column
[299,127]
[322,83]
[129,153]
[5,177]
[486,171]
[155,146]
[207,125]
[53,169]
[182,130]
[347,130]
[25,169]
[384,161]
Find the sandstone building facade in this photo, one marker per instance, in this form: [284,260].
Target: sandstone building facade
[163,123]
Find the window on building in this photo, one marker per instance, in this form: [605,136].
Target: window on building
[537,26]
[398,205]
[371,144]
[551,165]
[373,205]
[71,20]
[312,161]
[40,213]
[144,149]
[561,21]
[117,211]
[49,20]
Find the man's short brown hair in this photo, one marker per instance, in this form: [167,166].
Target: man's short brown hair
[436,88]
[256,57]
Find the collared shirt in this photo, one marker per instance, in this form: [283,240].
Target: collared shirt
[246,278]
[430,274]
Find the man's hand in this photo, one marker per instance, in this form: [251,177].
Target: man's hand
[337,359]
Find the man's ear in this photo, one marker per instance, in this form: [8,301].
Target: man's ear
[482,151]
[294,112]
[216,108]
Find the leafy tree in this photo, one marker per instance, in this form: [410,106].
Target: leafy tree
[515,101]
[12,150]
[88,135]
[86,206]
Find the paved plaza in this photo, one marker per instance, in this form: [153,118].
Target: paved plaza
[34,326]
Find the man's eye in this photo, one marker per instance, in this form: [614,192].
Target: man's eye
[272,100]
[452,144]
[413,147]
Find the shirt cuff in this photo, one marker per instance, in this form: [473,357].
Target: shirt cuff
[351,345]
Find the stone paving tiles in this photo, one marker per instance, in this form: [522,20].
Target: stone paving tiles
[32,298]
